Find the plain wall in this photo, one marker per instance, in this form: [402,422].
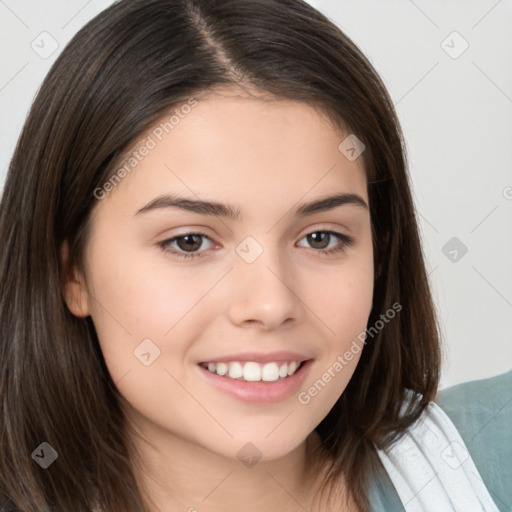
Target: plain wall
[453,95]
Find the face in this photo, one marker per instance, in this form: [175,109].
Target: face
[172,287]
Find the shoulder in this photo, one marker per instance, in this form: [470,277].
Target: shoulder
[482,412]
[472,404]
[431,468]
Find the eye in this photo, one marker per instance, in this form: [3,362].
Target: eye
[322,239]
[186,242]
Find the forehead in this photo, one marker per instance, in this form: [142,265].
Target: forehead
[236,146]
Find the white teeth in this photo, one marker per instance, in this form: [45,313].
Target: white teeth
[222,368]
[292,367]
[253,372]
[235,370]
[270,372]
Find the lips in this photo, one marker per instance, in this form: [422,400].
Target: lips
[258,392]
[281,356]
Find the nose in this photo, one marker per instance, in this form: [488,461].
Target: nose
[262,293]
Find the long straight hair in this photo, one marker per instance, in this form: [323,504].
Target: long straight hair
[127,67]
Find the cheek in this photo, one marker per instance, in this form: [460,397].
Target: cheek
[350,307]
[343,306]
[138,298]
[344,301]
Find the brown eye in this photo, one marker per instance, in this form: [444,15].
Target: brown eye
[321,240]
[189,242]
[184,246]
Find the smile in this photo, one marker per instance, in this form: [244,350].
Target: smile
[251,371]
[248,381]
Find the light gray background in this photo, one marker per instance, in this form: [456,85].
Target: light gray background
[456,113]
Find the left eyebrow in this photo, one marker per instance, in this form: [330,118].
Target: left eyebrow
[224,210]
[328,203]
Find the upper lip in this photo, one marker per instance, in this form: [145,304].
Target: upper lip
[260,357]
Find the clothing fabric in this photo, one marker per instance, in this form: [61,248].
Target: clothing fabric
[431,470]
[383,496]
[482,412]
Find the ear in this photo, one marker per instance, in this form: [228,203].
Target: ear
[74,290]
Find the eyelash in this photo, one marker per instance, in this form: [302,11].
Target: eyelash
[346,240]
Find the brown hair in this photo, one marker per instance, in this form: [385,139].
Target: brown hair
[118,75]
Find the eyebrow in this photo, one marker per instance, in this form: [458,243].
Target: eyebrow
[230,212]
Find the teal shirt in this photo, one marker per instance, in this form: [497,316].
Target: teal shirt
[482,412]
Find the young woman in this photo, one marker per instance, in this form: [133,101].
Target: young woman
[213,289]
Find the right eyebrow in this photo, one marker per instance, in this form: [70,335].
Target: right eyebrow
[191,205]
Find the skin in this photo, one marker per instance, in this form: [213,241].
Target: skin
[265,158]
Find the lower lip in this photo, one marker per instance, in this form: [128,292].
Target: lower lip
[259,392]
